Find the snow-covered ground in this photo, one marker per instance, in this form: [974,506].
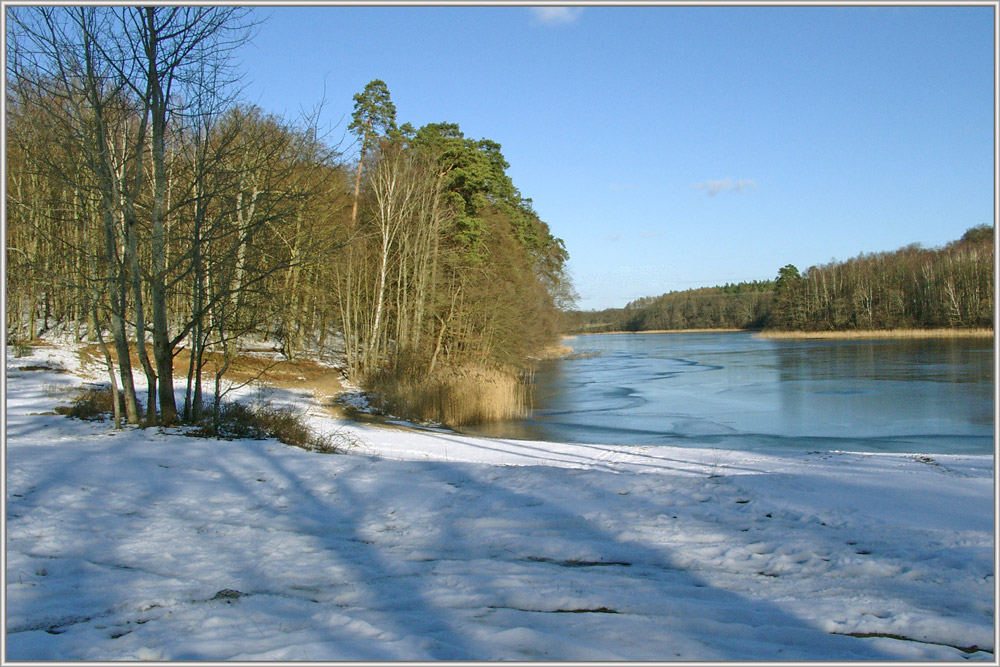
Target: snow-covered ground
[144,544]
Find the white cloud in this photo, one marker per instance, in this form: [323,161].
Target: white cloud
[714,187]
[556,15]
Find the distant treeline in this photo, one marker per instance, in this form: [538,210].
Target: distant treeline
[912,287]
[739,306]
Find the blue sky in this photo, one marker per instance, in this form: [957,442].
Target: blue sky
[676,147]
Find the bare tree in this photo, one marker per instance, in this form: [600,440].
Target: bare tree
[138,65]
[56,65]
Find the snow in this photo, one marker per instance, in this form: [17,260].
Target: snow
[427,545]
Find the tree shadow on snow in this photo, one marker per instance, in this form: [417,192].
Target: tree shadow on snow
[345,557]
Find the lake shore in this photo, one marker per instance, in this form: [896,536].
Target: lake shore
[876,334]
[435,546]
[851,334]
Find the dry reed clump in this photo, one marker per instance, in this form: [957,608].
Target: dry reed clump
[453,396]
[556,351]
[878,334]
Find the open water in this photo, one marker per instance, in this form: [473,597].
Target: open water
[733,391]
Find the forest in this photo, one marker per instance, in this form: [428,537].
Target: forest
[910,288]
[150,210]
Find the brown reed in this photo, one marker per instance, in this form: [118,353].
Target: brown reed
[452,397]
[877,334]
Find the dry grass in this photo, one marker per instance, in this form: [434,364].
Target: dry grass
[556,351]
[453,397]
[245,367]
[877,334]
[324,382]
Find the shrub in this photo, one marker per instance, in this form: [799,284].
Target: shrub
[240,420]
[236,420]
[93,404]
[285,425]
[21,349]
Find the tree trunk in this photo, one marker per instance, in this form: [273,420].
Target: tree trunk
[117,292]
[162,350]
[357,180]
[140,322]
[115,401]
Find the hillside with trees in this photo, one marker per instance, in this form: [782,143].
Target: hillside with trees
[151,211]
[731,306]
[910,288]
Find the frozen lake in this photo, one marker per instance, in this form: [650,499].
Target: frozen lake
[733,391]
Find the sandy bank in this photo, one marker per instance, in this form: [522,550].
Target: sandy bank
[882,334]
